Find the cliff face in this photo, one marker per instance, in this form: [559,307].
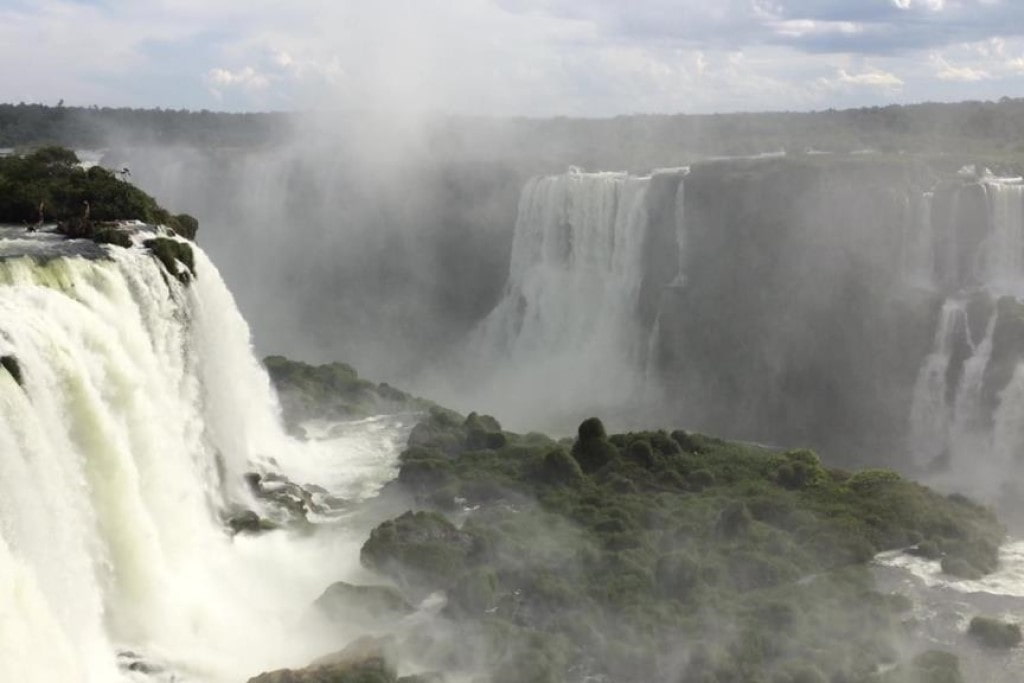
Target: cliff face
[795,323]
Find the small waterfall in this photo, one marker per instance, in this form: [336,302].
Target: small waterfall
[566,326]
[679,280]
[931,414]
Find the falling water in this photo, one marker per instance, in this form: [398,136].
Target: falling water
[140,404]
[566,328]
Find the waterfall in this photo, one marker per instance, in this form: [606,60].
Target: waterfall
[139,406]
[949,416]
[566,327]
[1004,253]
[930,415]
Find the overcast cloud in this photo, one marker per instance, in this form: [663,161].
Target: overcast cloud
[532,57]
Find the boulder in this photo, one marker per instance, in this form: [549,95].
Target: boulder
[366,660]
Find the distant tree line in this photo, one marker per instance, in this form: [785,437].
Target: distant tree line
[92,127]
[634,142]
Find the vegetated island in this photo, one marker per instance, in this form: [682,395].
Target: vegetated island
[50,186]
[649,556]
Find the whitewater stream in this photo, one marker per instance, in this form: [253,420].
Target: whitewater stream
[130,413]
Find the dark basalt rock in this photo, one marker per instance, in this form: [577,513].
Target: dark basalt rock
[11,365]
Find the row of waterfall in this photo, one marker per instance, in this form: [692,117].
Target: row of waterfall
[570,329]
[130,407]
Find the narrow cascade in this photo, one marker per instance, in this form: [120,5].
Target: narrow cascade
[950,417]
[567,320]
[138,406]
[931,415]
[651,380]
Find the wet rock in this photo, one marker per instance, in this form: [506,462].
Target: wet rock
[11,365]
[247,521]
[366,660]
[994,633]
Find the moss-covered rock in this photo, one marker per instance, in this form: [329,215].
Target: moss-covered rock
[418,549]
[173,254]
[994,633]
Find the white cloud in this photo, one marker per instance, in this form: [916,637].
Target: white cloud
[875,79]
[536,57]
[963,74]
[933,5]
[246,77]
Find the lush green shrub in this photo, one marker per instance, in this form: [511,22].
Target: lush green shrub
[641,453]
[627,560]
[561,468]
[185,225]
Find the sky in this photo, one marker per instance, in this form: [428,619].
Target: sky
[510,57]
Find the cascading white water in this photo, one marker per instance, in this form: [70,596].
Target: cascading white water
[141,405]
[960,429]
[1004,249]
[566,327]
[930,416]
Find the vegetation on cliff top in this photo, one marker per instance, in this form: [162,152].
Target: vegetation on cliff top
[333,391]
[661,556]
[49,184]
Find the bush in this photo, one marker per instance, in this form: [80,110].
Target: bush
[185,225]
[561,468]
[170,253]
[108,235]
[592,449]
[641,453]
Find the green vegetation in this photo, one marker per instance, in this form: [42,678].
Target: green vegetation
[49,184]
[171,253]
[333,391]
[656,556]
[995,633]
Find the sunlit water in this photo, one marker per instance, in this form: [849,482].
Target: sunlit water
[140,408]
